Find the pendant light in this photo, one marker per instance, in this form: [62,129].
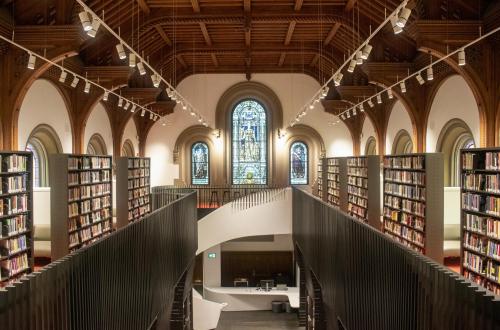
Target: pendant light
[366,51]
[31,61]
[403,86]
[419,78]
[404,14]
[131,60]
[63,76]
[75,81]
[85,20]
[461,57]
[121,51]
[379,99]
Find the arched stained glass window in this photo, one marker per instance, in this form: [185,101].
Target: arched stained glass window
[249,143]
[299,163]
[199,163]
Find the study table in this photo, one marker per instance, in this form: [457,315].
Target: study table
[292,293]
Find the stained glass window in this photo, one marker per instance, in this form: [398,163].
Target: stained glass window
[249,143]
[299,163]
[199,163]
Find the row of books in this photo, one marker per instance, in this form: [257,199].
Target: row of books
[139,192]
[138,202]
[14,163]
[333,162]
[86,219]
[81,192]
[333,199]
[483,225]
[138,183]
[13,226]
[358,171]
[357,161]
[357,181]
[13,266]
[492,161]
[13,245]
[138,212]
[89,177]
[486,182]
[363,202]
[481,280]
[77,208]
[13,184]
[333,169]
[138,162]
[406,236]
[13,205]
[333,177]
[88,234]
[357,211]
[361,192]
[480,203]
[405,176]
[137,173]
[333,192]
[409,162]
[89,162]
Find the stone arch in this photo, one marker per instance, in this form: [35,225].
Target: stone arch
[370,146]
[97,145]
[392,130]
[402,144]
[128,149]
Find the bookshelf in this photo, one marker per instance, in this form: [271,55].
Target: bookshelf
[132,189]
[336,182]
[320,178]
[480,216]
[363,189]
[81,201]
[16,215]
[413,202]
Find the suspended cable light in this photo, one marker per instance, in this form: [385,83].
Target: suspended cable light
[430,73]
[133,108]
[85,20]
[379,99]
[366,51]
[352,65]
[361,108]
[389,94]
[404,15]
[140,66]
[311,106]
[126,106]
[395,27]
[31,61]
[106,95]
[63,76]
[338,78]
[403,86]
[156,80]
[120,102]
[87,87]
[75,81]
[354,111]
[131,60]
[359,57]
[461,57]
[121,51]
[370,103]
[143,112]
[96,23]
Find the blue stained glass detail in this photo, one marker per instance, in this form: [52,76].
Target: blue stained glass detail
[249,143]
[299,163]
[199,163]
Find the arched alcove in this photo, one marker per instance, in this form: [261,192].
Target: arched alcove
[130,134]
[402,143]
[399,120]
[98,126]
[97,146]
[367,134]
[370,146]
[128,149]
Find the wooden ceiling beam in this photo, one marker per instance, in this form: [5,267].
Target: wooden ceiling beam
[214,59]
[163,35]
[289,34]
[181,60]
[332,33]
[315,60]
[349,5]
[247,5]
[282,59]
[196,6]
[298,5]
[144,6]
[206,36]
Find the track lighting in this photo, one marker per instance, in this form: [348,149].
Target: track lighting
[352,65]
[62,77]
[200,120]
[151,115]
[178,100]
[366,51]
[173,96]
[324,93]
[140,66]
[156,80]
[155,118]
[354,111]
[85,20]
[31,61]
[311,106]
[163,123]
[297,119]
[127,104]
[120,102]
[404,14]
[361,108]
[105,96]
[389,94]
[403,86]
[461,57]
[359,58]
[184,106]
[131,60]
[338,78]
[192,113]
[379,99]
[342,116]
[430,73]
[121,51]
[143,112]
[419,78]
[370,103]
[133,108]
[303,113]
[75,81]
[348,114]
[205,124]
[87,87]
[96,23]
[397,29]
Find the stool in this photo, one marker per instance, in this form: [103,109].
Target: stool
[214,199]
[277,306]
[236,194]
[226,197]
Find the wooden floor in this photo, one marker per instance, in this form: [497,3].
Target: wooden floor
[262,320]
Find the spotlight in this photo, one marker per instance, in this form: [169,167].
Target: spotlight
[303,113]
[352,65]
[348,114]
[127,104]
[389,94]
[419,78]
[394,22]
[205,124]
[96,23]
[461,57]
[120,102]
[121,51]
[84,19]
[178,100]
[173,96]
[133,108]
[359,58]
[311,106]
[131,60]
[379,99]
[31,61]
[164,124]
[140,66]
[324,93]
[354,111]
[62,77]
[361,108]
[156,80]
[342,116]
[404,14]
[338,78]
[370,103]
[403,86]
[105,96]
[192,113]
[184,106]
[430,73]
[87,87]
[75,81]
[366,51]
[297,119]
[143,112]
[151,115]
[200,120]
[155,118]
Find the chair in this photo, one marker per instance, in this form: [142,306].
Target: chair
[226,197]
[214,199]
[236,195]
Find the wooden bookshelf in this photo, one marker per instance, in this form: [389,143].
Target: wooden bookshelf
[336,182]
[321,188]
[16,215]
[81,198]
[132,189]
[413,202]
[480,216]
[363,189]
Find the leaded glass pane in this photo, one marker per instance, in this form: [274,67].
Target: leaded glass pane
[299,163]
[199,163]
[249,143]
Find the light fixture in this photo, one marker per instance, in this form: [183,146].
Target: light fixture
[354,111]
[359,58]
[75,81]
[131,60]
[342,116]
[361,108]
[87,87]
[105,96]
[143,112]
[379,99]
[461,57]
[127,104]
[184,106]
[404,14]
[396,28]
[200,120]
[96,23]
[155,118]
[151,115]
[403,86]
[31,61]
[324,92]
[389,94]
[348,114]
[156,80]
[311,106]
[297,119]
[338,78]
[173,96]
[85,20]
[192,113]
[419,78]
[140,66]
[121,51]
[62,77]
[178,100]
[366,51]
[133,108]
[205,124]
[370,103]
[352,65]
[120,102]
[303,113]
[430,73]
[164,123]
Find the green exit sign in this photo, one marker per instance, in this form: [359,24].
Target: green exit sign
[212,255]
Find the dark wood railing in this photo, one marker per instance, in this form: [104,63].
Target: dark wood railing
[369,281]
[127,280]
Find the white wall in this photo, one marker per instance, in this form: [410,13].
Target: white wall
[98,123]
[454,99]
[204,91]
[368,130]
[399,119]
[43,104]
[130,133]
[280,243]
